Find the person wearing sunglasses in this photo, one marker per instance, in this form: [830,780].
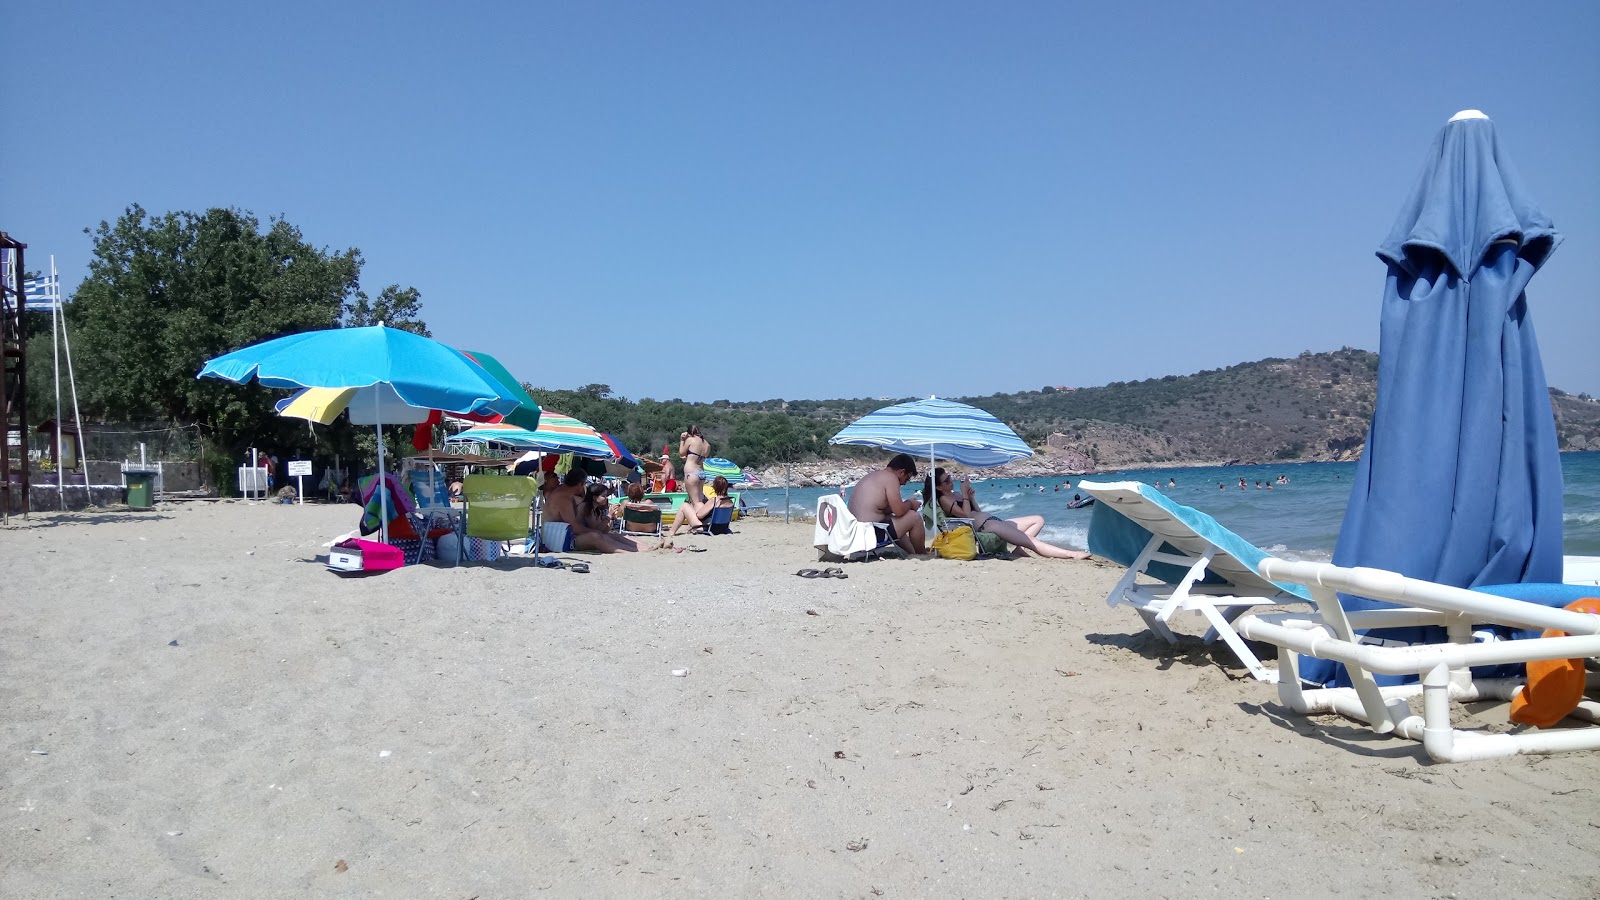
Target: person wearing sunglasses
[1021,532]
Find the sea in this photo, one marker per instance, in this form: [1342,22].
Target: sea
[1297,520]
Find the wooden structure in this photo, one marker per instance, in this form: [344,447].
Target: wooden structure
[13,381]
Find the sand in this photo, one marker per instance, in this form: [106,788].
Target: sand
[920,729]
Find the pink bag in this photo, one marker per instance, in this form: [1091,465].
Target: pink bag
[356,555]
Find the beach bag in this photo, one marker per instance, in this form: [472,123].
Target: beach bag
[957,543]
[991,544]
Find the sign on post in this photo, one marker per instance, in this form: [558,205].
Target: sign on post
[298,470]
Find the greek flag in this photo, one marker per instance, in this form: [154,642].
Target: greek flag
[43,294]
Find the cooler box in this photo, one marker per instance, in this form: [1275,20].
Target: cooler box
[364,556]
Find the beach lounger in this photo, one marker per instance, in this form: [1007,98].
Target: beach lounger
[1555,690]
[841,535]
[1180,560]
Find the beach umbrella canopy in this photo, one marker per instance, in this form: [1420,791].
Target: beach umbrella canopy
[1460,482]
[937,429]
[524,416]
[716,465]
[422,372]
[556,434]
[623,457]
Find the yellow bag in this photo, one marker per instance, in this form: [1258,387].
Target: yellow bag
[957,543]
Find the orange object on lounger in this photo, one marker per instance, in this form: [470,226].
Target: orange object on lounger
[1554,685]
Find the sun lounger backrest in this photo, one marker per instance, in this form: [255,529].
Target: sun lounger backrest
[1129,513]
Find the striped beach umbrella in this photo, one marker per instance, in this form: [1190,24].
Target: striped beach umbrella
[556,434]
[937,429]
[716,465]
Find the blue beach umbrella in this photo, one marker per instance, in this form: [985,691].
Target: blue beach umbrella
[418,371]
[1460,482]
[937,429]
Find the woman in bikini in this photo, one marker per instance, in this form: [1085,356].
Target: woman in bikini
[694,448]
[1021,533]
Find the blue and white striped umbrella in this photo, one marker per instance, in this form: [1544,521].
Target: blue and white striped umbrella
[941,429]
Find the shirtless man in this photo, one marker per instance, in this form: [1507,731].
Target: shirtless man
[567,504]
[876,498]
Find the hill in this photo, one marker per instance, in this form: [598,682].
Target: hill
[1313,407]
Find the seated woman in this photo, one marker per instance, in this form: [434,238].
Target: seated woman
[1021,533]
[589,531]
[695,513]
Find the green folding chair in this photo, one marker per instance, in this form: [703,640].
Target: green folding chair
[498,507]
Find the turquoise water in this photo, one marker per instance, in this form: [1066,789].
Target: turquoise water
[1298,520]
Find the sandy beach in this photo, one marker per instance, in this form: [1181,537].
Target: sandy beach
[193,707]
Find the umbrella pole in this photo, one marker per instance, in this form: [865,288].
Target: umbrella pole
[785,493]
[383,498]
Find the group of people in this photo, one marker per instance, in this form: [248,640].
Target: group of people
[586,507]
[877,498]
[1260,485]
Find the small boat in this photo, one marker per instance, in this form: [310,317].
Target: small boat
[1078,502]
[669,503]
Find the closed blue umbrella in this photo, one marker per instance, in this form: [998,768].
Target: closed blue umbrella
[1460,482]
[938,429]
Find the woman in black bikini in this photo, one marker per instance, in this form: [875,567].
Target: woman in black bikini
[965,506]
[694,448]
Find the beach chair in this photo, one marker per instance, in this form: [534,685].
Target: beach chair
[1551,691]
[1180,560]
[498,507]
[645,522]
[839,534]
[719,522]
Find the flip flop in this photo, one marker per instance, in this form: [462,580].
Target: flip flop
[695,549]
[834,573]
[582,568]
[809,573]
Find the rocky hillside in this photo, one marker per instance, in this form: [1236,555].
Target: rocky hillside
[1314,407]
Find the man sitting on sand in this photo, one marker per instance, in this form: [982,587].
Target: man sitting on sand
[876,498]
[572,505]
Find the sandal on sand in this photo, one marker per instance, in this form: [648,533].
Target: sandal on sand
[834,573]
[695,549]
[809,573]
[582,568]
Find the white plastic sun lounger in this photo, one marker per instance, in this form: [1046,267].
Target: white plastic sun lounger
[1181,561]
[1444,667]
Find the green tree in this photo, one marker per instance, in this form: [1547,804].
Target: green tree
[165,293]
[395,307]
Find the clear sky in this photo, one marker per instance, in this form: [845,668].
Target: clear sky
[758,200]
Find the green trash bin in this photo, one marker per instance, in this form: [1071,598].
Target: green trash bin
[141,489]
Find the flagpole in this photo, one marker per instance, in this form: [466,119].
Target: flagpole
[72,381]
[55,353]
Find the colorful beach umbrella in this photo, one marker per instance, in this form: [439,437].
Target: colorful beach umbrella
[937,429]
[1460,482]
[422,373]
[716,465]
[556,434]
[524,416]
[623,457]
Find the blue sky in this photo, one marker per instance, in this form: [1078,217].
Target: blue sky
[747,200]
